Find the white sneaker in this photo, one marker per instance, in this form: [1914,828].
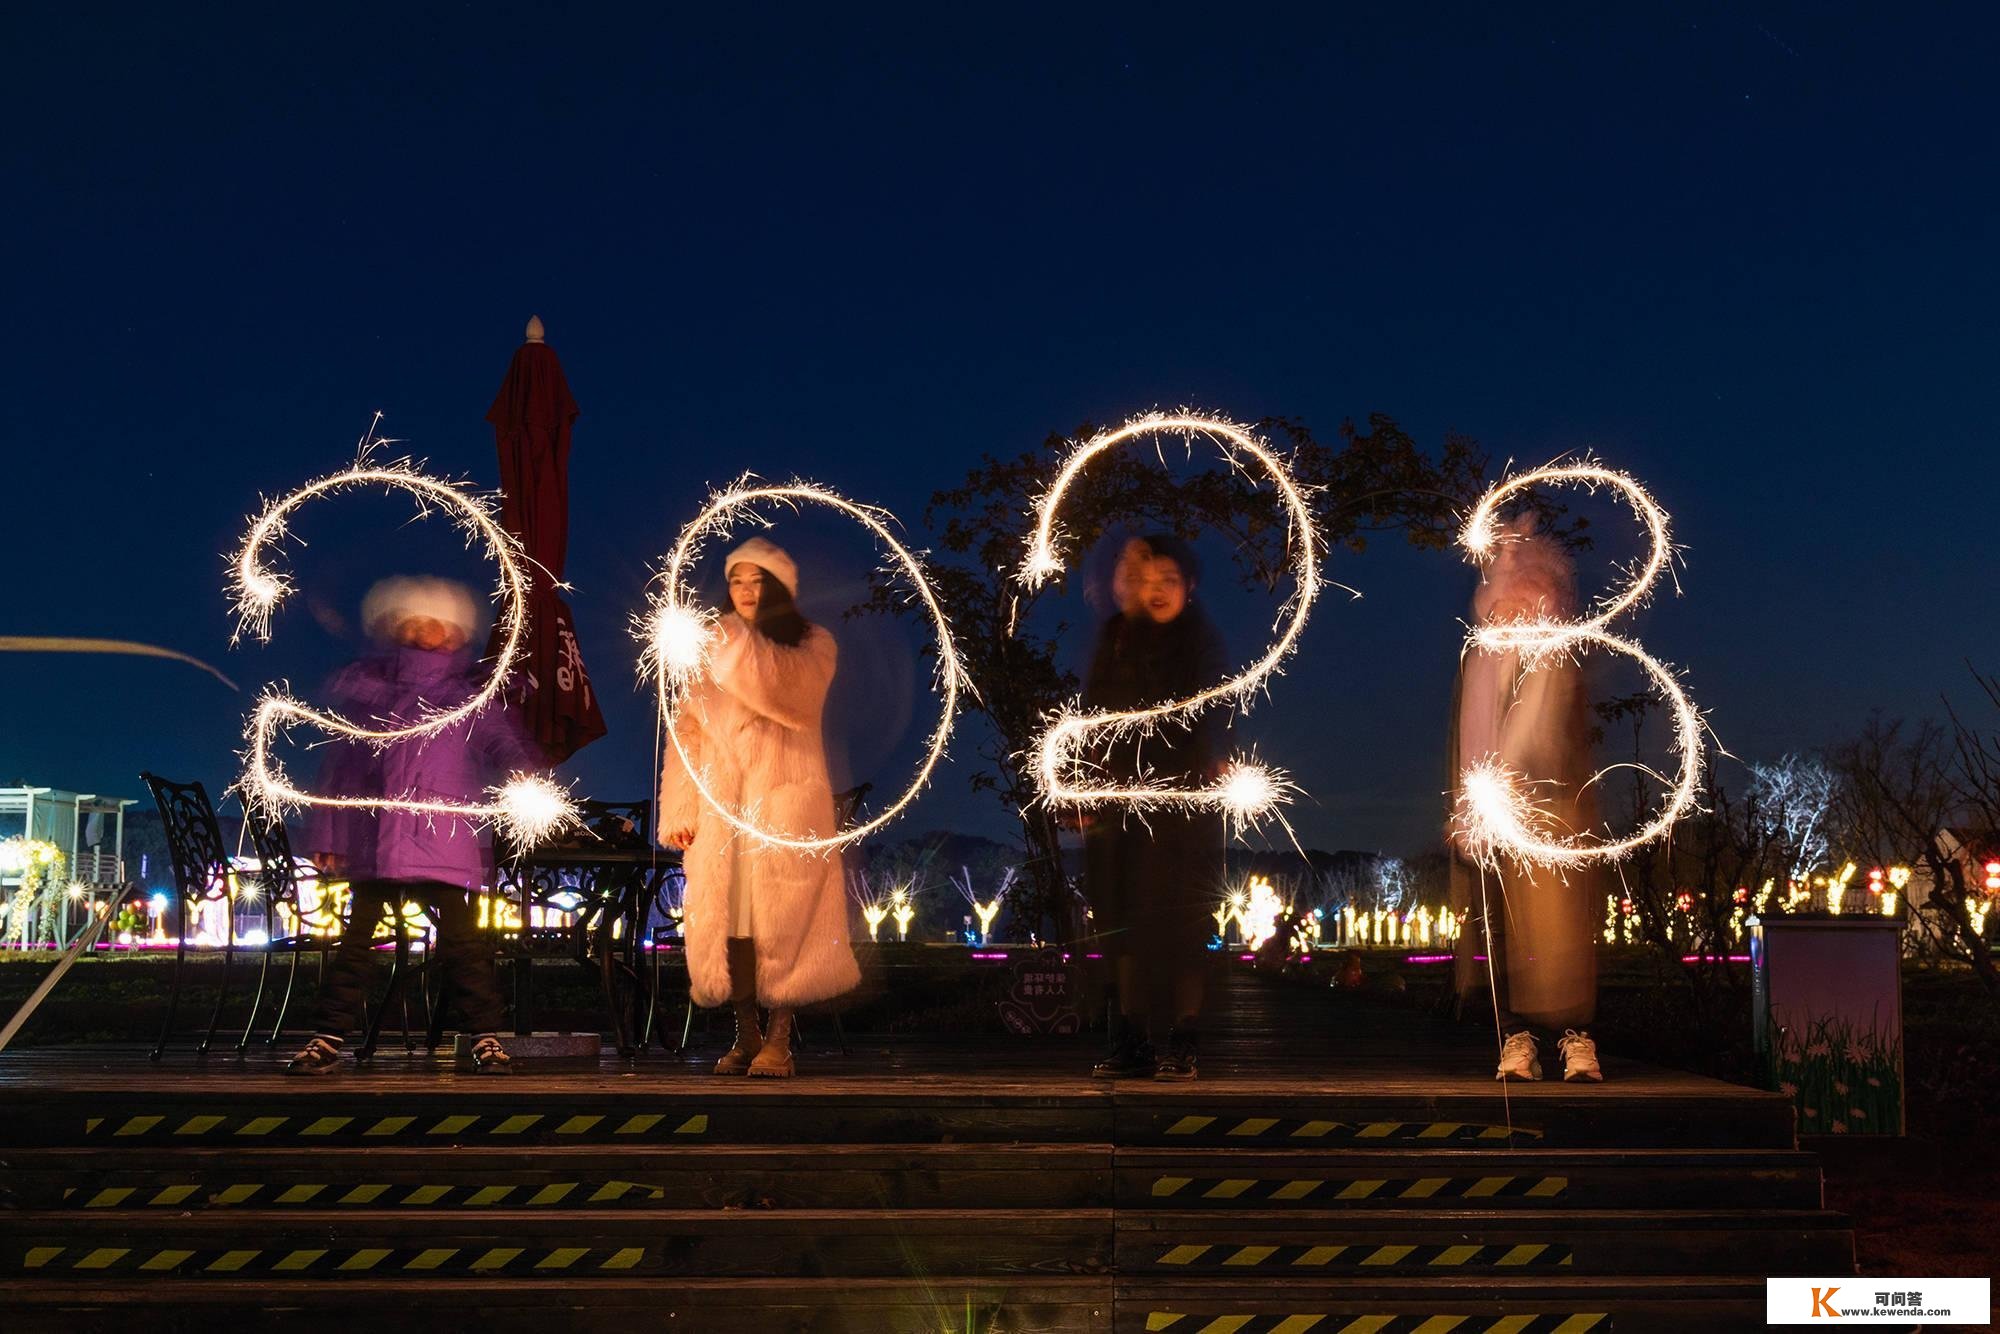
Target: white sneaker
[1579,1055]
[1519,1058]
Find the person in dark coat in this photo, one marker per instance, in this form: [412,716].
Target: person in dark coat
[1153,879]
[421,666]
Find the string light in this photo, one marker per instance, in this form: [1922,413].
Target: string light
[1246,790]
[679,633]
[1496,813]
[528,807]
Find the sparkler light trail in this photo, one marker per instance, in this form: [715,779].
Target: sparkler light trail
[1246,790]
[73,644]
[679,633]
[528,807]
[1496,813]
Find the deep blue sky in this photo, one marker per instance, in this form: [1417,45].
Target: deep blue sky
[1746,253]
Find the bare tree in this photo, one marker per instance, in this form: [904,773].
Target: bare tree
[1796,796]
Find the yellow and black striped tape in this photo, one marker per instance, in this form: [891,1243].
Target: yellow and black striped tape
[1238,1128]
[375,1128]
[387,1195]
[1541,1322]
[1524,1255]
[1322,1190]
[380,1260]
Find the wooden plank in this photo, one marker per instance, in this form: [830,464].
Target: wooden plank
[1443,1241]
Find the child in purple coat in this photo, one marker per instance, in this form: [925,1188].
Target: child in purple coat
[422,665]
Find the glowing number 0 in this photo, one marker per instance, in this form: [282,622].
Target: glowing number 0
[529,807]
[679,631]
[1245,790]
[1496,815]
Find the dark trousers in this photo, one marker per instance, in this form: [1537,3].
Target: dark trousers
[463,958]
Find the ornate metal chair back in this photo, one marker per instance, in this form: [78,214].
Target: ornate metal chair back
[194,837]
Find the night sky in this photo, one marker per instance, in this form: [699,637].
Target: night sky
[1745,253]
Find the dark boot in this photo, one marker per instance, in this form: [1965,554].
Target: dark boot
[743,994]
[1182,1051]
[1130,1057]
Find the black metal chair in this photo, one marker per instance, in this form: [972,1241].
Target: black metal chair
[606,878]
[281,877]
[201,873]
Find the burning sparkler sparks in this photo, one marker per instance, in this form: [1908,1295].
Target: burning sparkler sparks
[1247,790]
[679,633]
[528,808]
[1496,814]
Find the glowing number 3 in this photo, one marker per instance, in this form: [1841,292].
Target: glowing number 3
[1245,790]
[1495,814]
[528,808]
[679,633]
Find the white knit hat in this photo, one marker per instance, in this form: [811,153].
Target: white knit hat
[770,558]
[397,599]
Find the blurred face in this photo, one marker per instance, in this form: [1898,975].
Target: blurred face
[429,634]
[1129,577]
[746,589]
[1164,593]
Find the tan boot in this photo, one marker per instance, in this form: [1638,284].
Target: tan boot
[775,1061]
[743,994]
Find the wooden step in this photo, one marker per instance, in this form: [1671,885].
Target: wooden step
[1460,1304]
[496,1244]
[251,1111]
[1523,1304]
[836,1176]
[1474,1114]
[1298,1243]
[829,1176]
[1216,1178]
[636,1242]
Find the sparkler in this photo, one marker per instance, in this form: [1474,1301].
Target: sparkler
[1495,811]
[679,635]
[528,808]
[1246,790]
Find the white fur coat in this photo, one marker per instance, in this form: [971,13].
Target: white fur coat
[751,727]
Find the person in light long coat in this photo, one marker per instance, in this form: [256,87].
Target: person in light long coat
[763,924]
[1535,925]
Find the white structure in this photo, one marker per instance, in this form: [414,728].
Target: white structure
[89,829]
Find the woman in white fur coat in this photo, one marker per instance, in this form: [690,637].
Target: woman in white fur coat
[763,924]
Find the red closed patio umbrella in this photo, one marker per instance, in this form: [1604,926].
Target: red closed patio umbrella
[531,420]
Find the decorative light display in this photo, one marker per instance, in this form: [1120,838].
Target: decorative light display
[874,903]
[1261,912]
[1497,812]
[1246,790]
[528,807]
[984,909]
[679,634]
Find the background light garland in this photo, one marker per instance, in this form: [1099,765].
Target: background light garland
[679,633]
[528,807]
[1495,813]
[1246,790]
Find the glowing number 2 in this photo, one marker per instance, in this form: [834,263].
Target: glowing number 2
[1245,790]
[679,632]
[1495,814]
[528,807]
